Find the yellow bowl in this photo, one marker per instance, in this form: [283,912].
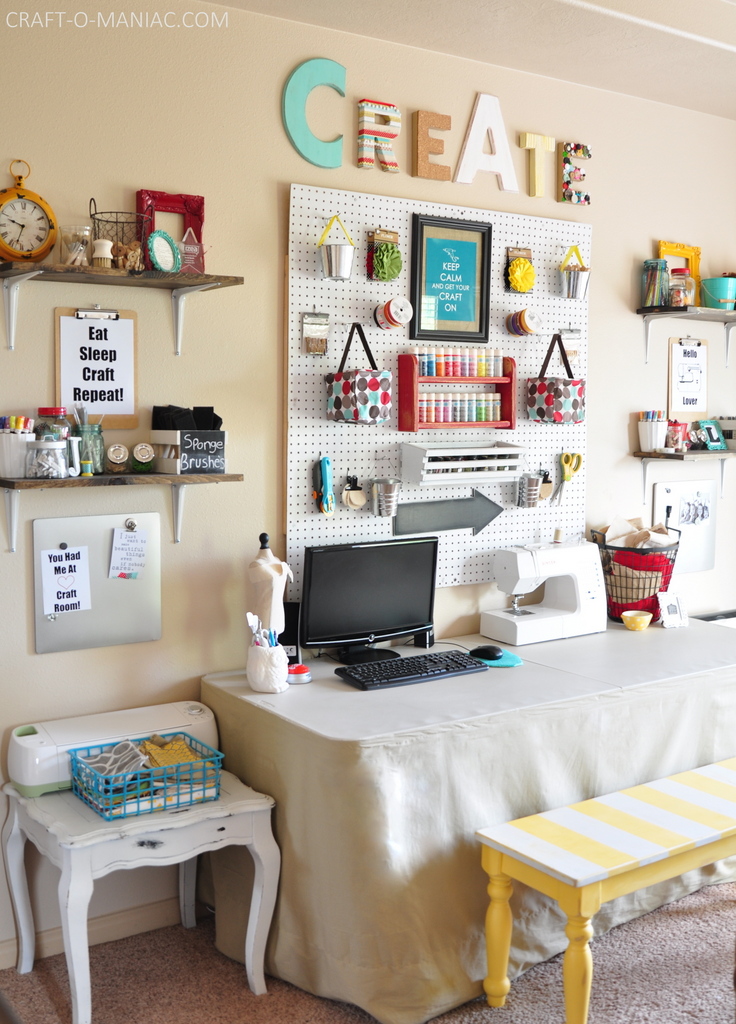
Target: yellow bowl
[636,620]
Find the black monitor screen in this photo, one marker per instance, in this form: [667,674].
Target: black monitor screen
[357,594]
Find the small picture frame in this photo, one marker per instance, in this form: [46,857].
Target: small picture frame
[163,252]
[714,439]
[671,611]
[690,254]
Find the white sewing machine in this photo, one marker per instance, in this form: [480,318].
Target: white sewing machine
[574,599]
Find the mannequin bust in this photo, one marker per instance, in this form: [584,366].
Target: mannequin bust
[268,576]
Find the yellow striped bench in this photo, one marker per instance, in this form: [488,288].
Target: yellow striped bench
[591,852]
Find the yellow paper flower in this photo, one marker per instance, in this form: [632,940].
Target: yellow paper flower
[521,275]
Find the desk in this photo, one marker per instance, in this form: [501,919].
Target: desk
[85,846]
[378,797]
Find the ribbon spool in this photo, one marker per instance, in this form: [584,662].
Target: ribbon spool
[524,322]
[394,313]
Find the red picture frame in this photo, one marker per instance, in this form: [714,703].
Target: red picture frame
[150,202]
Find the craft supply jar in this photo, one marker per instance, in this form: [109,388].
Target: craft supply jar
[142,458]
[51,419]
[116,459]
[682,287]
[92,448]
[655,284]
[46,460]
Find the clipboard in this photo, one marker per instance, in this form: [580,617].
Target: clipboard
[687,379]
[97,364]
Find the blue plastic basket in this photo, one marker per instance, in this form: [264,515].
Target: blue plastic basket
[129,794]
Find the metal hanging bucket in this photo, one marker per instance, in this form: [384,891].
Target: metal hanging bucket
[575,277]
[337,258]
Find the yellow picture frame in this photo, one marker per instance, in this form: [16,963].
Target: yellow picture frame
[691,255]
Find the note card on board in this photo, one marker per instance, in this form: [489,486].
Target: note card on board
[96,364]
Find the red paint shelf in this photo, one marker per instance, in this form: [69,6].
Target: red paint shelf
[409,381]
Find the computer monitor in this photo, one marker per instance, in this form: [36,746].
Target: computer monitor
[355,595]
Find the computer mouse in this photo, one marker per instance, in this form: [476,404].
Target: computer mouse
[489,653]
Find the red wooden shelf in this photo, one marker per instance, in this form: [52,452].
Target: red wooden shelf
[409,381]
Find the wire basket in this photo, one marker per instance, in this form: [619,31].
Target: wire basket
[128,794]
[118,225]
[634,576]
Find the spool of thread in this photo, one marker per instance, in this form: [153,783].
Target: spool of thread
[394,313]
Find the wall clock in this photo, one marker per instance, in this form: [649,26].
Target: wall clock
[28,226]
[164,252]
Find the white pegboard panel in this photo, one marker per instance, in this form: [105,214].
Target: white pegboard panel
[368,451]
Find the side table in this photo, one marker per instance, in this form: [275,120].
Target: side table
[84,847]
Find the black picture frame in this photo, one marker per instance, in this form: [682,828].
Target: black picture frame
[451,278]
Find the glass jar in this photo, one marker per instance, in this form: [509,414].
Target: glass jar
[51,419]
[682,287]
[116,459]
[92,448]
[46,460]
[142,458]
[655,284]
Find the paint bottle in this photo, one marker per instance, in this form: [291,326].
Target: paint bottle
[481,367]
[439,362]
[431,364]
[472,363]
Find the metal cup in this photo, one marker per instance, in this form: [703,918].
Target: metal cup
[529,484]
[337,261]
[385,495]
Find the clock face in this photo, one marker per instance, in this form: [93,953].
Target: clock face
[24,226]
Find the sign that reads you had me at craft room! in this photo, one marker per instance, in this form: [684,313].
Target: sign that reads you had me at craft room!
[203,451]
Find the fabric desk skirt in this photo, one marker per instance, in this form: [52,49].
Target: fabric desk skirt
[378,796]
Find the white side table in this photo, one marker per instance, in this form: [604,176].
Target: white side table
[85,847]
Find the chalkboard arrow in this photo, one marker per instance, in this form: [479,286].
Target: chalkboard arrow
[475,512]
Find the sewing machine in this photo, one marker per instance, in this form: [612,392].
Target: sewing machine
[574,599]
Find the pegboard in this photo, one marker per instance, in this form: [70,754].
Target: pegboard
[369,451]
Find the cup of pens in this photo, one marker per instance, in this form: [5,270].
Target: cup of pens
[74,245]
[652,430]
[268,663]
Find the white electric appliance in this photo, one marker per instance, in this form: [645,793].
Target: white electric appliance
[574,599]
[38,761]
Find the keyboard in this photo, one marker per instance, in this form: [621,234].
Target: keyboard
[378,675]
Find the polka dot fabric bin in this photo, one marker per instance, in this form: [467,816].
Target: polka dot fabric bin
[555,399]
[359,396]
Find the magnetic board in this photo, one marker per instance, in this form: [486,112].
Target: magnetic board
[370,451]
[693,505]
[124,609]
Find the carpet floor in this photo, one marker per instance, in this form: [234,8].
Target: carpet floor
[673,966]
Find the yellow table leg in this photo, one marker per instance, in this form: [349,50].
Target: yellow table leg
[498,929]
[577,970]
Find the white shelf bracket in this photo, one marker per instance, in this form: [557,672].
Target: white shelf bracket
[12,499]
[10,301]
[728,328]
[177,504]
[647,325]
[178,296]
[644,474]
[723,472]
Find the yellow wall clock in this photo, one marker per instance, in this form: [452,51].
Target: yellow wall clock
[27,223]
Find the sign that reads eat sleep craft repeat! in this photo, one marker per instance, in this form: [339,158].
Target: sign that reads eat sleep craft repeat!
[96,366]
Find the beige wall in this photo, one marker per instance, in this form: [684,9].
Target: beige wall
[106,111]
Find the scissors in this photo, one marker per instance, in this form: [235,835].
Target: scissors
[569,466]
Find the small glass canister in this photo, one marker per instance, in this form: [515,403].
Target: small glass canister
[92,448]
[46,459]
[142,458]
[655,284]
[116,459]
[51,419]
[682,287]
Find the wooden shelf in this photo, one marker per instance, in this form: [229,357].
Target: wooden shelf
[118,479]
[705,314]
[180,285]
[409,381]
[704,456]
[59,272]
[177,483]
